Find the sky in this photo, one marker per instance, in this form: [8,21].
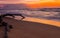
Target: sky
[27,1]
[34,3]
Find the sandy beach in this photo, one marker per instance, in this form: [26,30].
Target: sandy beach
[28,29]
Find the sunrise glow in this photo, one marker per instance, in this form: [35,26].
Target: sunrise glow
[34,3]
[45,5]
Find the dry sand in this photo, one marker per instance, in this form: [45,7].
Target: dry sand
[27,29]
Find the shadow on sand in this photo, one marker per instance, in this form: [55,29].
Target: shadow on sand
[25,29]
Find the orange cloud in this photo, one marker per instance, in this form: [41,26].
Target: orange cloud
[45,4]
[34,3]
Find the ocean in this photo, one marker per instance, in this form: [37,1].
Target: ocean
[36,14]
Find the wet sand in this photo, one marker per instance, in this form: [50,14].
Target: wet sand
[26,29]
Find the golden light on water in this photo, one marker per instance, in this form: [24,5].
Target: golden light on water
[44,21]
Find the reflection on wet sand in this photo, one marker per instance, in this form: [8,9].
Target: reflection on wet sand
[40,20]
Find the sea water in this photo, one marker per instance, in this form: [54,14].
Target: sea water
[36,14]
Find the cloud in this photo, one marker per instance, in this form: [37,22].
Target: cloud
[10,1]
[19,1]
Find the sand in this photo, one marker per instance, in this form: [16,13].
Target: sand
[28,29]
[40,20]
